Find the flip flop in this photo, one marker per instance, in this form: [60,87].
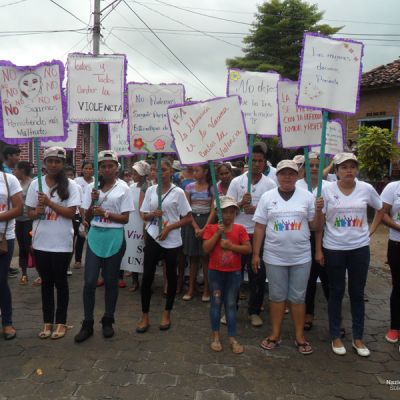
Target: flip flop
[269,344]
[216,345]
[304,348]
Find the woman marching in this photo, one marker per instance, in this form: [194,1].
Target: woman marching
[345,248]
[52,238]
[107,210]
[285,216]
[175,212]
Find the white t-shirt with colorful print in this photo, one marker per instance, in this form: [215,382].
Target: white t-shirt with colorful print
[53,233]
[391,195]
[14,187]
[287,234]
[346,226]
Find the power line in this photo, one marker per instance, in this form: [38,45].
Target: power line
[112,9]
[12,4]
[69,12]
[191,28]
[166,46]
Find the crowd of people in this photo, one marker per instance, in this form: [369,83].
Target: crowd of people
[275,229]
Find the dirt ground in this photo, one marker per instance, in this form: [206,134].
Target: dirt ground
[378,251]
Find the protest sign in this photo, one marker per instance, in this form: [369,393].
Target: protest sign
[398,127]
[209,130]
[32,101]
[148,120]
[118,138]
[334,138]
[259,103]
[298,126]
[134,236]
[70,142]
[330,73]
[96,86]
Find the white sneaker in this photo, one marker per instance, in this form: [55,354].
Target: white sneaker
[340,351]
[223,320]
[69,272]
[361,351]
[255,320]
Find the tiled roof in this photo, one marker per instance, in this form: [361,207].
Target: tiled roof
[382,76]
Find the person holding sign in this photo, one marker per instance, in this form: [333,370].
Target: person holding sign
[225,270]
[247,202]
[107,210]
[345,247]
[284,216]
[52,210]
[175,212]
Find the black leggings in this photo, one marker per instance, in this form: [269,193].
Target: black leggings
[393,255]
[52,268]
[22,232]
[153,253]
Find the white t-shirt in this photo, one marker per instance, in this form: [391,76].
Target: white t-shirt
[238,188]
[15,187]
[117,200]
[391,195]
[346,226]
[302,184]
[174,206]
[272,174]
[54,232]
[80,180]
[287,234]
[331,178]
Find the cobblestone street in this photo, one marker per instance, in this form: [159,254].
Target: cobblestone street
[178,364]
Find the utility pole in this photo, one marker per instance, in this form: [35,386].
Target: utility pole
[96,50]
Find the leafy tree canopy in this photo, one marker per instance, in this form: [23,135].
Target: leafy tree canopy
[275,41]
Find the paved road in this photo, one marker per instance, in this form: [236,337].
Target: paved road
[179,365]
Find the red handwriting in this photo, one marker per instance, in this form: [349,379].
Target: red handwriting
[214,121]
[193,122]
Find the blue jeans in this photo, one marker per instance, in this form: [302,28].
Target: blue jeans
[5,293]
[356,262]
[224,289]
[110,271]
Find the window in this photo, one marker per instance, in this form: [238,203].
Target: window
[385,123]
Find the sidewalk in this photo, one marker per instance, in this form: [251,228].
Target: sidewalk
[178,364]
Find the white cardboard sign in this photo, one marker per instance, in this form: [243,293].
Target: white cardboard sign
[69,143]
[258,92]
[208,131]
[96,86]
[118,138]
[31,100]
[299,127]
[148,119]
[330,74]
[334,138]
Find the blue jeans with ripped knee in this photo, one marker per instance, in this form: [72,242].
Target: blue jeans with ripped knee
[224,289]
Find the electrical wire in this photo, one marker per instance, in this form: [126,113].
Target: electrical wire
[12,4]
[69,12]
[166,46]
[112,9]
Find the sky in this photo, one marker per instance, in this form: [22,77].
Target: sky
[373,22]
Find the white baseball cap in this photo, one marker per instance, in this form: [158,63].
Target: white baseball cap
[227,201]
[142,168]
[340,158]
[55,151]
[108,155]
[287,164]
[299,160]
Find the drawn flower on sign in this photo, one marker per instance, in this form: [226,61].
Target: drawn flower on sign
[138,143]
[159,144]
[235,75]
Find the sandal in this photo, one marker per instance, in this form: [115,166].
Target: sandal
[236,347]
[304,348]
[37,282]
[134,287]
[46,332]
[269,344]
[24,280]
[216,345]
[9,332]
[58,333]
[308,325]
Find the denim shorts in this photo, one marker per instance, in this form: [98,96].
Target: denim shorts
[288,282]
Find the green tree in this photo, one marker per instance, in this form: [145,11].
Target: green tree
[376,147]
[275,41]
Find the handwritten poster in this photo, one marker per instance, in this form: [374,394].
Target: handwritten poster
[134,254]
[32,101]
[330,73]
[398,127]
[69,143]
[210,130]
[298,126]
[148,118]
[258,93]
[96,86]
[334,138]
[118,138]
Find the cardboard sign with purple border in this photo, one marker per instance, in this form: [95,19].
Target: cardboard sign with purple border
[334,138]
[96,87]
[118,138]
[259,102]
[32,102]
[330,73]
[147,113]
[299,127]
[398,127]
[69,143]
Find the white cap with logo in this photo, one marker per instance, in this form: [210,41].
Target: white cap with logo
[108,155]
[55,151]
[287,164]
